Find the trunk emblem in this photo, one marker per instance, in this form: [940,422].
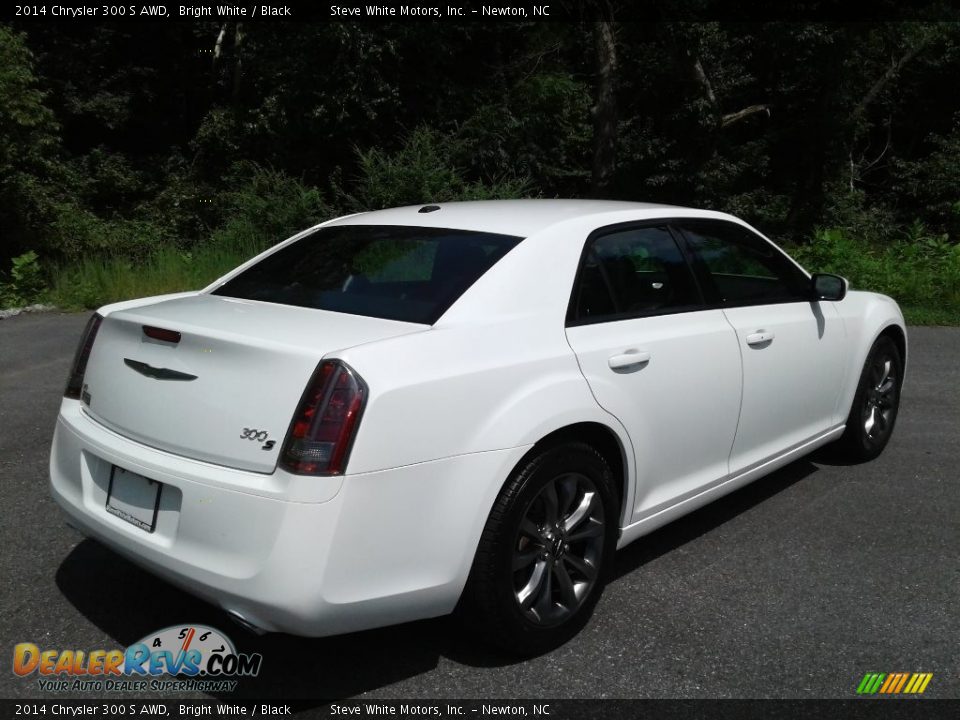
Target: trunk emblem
[157,373]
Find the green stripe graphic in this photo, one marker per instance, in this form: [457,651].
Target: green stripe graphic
[877,683]
[863,683]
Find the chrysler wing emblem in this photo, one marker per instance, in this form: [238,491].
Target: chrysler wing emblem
[157,373]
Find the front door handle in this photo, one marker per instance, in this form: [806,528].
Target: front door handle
[628,359]
[760,337]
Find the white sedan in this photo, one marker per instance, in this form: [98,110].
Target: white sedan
[464,406]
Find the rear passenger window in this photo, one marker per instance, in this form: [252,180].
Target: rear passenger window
[632,272]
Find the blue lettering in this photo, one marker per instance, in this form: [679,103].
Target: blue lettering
[134,657]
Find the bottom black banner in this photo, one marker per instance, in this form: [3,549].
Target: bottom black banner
[862,709]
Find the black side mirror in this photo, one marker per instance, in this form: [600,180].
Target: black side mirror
[824,286]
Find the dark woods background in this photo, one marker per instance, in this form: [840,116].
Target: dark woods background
[140,158]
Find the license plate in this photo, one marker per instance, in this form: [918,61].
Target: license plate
[134,498]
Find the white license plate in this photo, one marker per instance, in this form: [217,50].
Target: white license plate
[134,498]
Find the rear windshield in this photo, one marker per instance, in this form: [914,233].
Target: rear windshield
[395,272]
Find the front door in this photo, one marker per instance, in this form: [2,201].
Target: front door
[792,346]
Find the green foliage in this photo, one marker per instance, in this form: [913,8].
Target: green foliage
[542,129]
[422,170]
[29,143]
[267,206]
[79,233]
[92,282]
[919,270]
[26,284]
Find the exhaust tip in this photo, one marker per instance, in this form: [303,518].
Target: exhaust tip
[245,624]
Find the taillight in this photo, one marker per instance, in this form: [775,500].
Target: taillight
[322,431]
[75,379]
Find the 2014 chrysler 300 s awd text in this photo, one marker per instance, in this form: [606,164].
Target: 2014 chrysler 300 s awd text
[465,406]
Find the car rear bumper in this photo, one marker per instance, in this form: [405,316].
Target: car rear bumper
[366,550]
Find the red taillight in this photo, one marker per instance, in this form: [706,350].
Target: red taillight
[75,379]
[322,430]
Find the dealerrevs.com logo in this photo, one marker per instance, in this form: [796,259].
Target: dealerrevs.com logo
[203,655]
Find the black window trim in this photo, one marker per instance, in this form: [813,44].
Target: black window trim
[667,224]
[701,275]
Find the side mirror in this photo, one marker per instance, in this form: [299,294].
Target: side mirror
[825,286]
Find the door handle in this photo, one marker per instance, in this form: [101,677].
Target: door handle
[760,337]
[628,359]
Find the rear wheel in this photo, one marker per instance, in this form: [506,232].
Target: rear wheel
[875,404]
[545,551]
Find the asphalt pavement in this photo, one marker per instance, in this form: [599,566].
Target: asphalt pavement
[793,587]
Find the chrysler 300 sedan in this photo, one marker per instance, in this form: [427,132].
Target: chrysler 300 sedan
[465,406]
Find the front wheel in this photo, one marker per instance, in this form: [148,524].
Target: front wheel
[545,551]
[875,404]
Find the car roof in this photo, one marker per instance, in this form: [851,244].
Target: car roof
[514,217]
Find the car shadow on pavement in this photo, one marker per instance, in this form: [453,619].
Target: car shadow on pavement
[295,668]
[139,603]
[699,522]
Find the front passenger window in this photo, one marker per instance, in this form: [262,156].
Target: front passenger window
[744,268]
[632,272]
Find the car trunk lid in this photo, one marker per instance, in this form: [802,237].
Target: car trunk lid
[221,380]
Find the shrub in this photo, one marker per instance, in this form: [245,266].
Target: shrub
[26,284]
[422,170]
[267,207]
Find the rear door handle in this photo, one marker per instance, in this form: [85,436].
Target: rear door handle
[628,359]
[760,337]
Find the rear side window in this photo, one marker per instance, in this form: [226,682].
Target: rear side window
[743,268]
[626,273]
[395,272]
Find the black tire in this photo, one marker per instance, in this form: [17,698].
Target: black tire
[570,551]
[876,403]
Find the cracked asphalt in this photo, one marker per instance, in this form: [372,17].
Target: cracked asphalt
[793,587]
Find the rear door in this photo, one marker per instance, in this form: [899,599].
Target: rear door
[792,346]
[667,367]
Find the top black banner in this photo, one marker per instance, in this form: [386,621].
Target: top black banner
[469,11]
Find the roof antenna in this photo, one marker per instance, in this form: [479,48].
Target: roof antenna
[428,208]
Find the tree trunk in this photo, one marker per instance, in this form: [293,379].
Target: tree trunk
[605,110]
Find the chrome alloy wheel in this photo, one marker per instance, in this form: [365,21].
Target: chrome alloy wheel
[880,402]
[558,549]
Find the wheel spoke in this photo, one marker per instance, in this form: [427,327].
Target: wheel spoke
[581,513]
[568,494]
[871,420]
[525,558]
[568,594]
[884,373]
[544,598]
[592,529]
[551,503]
[881,421]
[530,592]
[581,566]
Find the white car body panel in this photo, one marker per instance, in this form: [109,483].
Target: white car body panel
[682,420]
[242,380]
[452,409]
[790,382]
